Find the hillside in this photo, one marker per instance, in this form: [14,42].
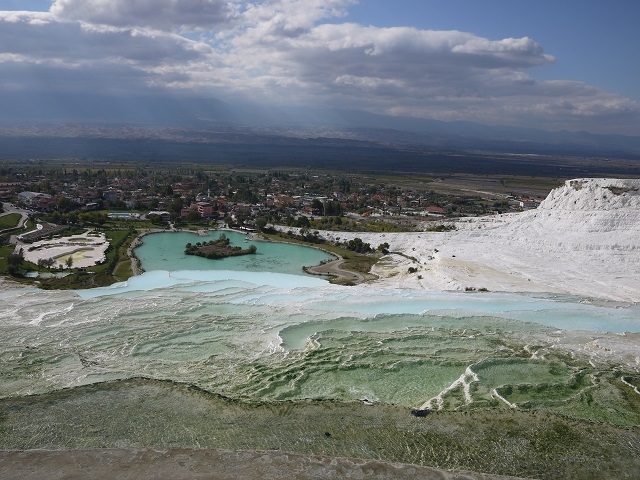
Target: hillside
[584,240]
[594,194]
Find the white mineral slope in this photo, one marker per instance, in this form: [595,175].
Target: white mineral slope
[584,239]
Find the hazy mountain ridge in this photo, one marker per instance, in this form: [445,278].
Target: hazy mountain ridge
[213,120]
[330,135]
[267,147]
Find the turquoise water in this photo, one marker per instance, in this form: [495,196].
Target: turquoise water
[165,251]
[259,330]
[268,278]
[272,335]
[319,299]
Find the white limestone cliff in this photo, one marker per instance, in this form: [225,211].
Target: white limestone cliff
[584,239]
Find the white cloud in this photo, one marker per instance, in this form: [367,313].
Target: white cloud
[324,56]
[84,58]
[296,51]
[76,42]
[449,75]
[160,14]
[285,17]
[30,18]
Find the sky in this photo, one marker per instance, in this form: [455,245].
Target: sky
[570,65]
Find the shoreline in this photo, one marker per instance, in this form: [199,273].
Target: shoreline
[136,267]
[331,268]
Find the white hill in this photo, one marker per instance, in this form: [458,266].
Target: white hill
[584,239]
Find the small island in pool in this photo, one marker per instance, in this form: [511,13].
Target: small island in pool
[219,248]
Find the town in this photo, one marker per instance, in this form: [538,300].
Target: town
[244,198]
[86,219]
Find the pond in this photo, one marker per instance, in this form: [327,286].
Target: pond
[165,251]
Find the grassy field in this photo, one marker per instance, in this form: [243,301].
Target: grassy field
[5,251]
[123,269]
[10,220]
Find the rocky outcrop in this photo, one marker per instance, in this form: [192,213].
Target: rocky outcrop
[589,194]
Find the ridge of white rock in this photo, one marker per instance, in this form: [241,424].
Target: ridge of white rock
[584,239]
[594,194]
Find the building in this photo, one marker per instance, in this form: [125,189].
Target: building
[205,209]
[32,198]
[435,210]
[527,203]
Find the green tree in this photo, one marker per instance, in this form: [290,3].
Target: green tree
[64,204]
[175,206]
[156,219]
[302,221]
[357,245]
[46,263]
[332,208]
[16,259]
[260,223]
[193,216]
[317,205]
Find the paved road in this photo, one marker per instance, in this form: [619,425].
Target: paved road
[24,216]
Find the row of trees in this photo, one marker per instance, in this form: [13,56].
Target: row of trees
[73,218]
[331,208]
[48,263]
[357,245]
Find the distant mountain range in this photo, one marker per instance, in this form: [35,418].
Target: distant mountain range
[210,121]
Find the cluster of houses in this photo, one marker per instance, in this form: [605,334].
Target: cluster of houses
[213,208]
[290,194]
